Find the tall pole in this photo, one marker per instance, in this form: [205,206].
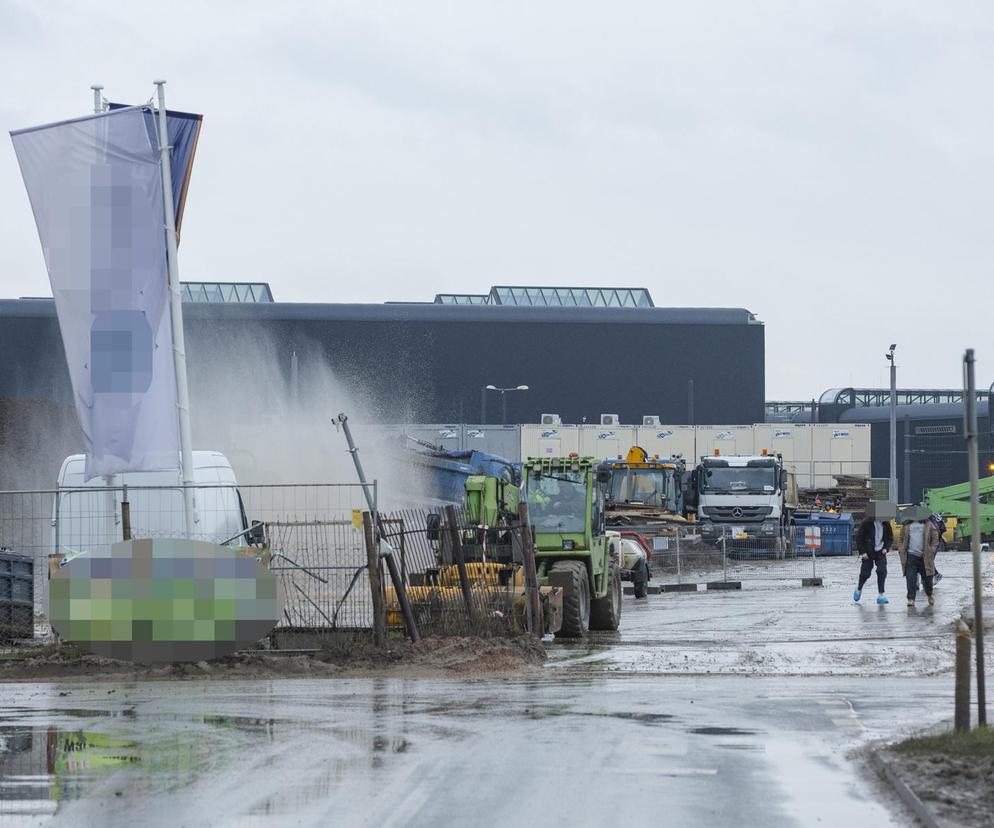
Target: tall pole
[483,406]
[503,407]
[893,428]
[973,461]
[98,104]
[176,316]
[690,402]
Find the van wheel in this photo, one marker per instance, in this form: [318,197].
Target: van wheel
[605,613]
[576,599]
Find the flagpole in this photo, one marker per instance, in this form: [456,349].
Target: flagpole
[176,316]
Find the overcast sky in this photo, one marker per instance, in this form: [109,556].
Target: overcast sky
[827,165]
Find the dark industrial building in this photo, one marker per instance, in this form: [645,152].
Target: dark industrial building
[931,449]
[581,352]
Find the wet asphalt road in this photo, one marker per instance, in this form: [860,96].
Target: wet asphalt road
[628,728]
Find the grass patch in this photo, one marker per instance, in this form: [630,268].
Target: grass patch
[977,743]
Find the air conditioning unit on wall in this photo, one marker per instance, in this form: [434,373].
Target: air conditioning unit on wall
[650,420]
[609,420]
[551,419]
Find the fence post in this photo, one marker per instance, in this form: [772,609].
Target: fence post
[679,576]
[125,515]
[533,606]
[454,539]
[375,582]
[962,686]
[724,555]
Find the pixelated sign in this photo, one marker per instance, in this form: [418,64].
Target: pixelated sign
[812,537]
[164,600]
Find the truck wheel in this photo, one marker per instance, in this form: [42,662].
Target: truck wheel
[576,599]
[640,580]
[605,613]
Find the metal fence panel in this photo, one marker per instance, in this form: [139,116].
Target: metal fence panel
[686,558]
[318,552]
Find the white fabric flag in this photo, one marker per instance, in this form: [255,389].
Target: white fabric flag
[96,191]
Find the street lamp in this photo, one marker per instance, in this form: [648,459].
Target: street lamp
[892,486]
[503,399]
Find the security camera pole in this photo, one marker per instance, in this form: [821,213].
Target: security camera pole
[973,460]
[892,485]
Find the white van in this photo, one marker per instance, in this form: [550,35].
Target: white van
[87,515]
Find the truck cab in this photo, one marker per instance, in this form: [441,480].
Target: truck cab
[745,497]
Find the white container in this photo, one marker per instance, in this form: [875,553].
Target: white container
[502,440]
[605,442]
[839,448]
[669,441]
[726,440]
[549,441]
[792,441]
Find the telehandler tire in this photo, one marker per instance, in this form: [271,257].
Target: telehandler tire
[576,598]
[640,580]
[605,613]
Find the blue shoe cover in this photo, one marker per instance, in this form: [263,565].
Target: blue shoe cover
[856,594]
[882,599]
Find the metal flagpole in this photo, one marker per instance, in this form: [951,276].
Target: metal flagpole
[98,104]
[176,316]
[970,414]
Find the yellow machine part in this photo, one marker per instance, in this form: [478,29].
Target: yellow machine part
[948,536]
[481,574]
[449,596]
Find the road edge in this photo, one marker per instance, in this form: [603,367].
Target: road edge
[902,789]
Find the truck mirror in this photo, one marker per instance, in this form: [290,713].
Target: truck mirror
[783,480]
[603,474]
[257,534]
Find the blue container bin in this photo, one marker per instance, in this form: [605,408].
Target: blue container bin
[836,532]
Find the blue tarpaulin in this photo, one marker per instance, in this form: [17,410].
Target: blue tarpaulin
[184,132]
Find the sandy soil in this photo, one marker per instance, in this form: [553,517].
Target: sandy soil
[431,657]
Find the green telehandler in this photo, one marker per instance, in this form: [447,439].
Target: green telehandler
[954,501]
[573,551]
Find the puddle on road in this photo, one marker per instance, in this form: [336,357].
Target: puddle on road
[41,766]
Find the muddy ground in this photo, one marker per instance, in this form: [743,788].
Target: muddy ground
[431,657]
[958,788]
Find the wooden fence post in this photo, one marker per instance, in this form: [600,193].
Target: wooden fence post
[456,541]
[375,582]
[533,605]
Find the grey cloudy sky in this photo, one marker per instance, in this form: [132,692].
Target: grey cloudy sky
[827,165]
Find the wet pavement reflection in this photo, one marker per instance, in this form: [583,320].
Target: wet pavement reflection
[610,731]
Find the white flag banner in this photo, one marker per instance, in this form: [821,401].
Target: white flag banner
[96,191]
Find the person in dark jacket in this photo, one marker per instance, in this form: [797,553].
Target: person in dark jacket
[874,537]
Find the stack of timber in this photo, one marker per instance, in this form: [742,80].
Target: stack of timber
[850,494]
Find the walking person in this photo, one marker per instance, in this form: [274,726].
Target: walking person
[919,540]
[940,525]
[873,538]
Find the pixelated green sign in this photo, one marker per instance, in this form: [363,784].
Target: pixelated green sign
[164,600]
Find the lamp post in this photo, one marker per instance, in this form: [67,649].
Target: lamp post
[503,399]
[892,486]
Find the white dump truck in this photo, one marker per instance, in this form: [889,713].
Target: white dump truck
[748,498]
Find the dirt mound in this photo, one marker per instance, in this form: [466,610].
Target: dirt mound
[462,656]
